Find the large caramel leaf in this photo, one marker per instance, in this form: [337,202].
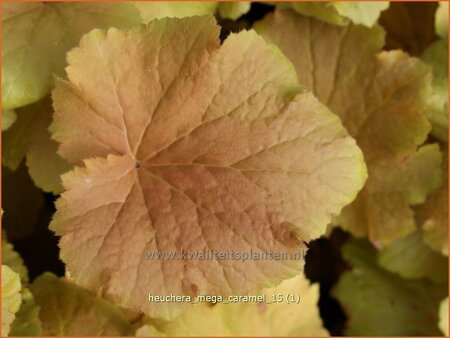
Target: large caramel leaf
[207,149]
[381,99]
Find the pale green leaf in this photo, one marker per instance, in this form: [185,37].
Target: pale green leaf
[8,118]
[410,257]
[12,259]
[45,166]
[443,316]
[151,10]
[364,13]
[343,12]
[441,19]
[149,330]
[68,310]
[266,318]
[433,214]
[36,37]
[11,298]
[233,10]
[27,321]
[437,56]
[15,140]
[30,137]
[324,11]
[378,302]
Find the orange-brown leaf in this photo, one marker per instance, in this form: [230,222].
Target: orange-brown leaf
[192,146]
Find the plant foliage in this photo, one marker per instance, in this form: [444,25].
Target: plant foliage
[168,150]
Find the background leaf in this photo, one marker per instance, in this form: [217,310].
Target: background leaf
[13,260]
[30,137]
[150,10]
[443,316]
[441,19]
[8,118]
[409,26]
[36,37]
[437,56]
[412,258]
[250,319]
[371,296]
[27,321]
[389,93]
[233,10]
[433,214]
[342,13]
[68,310]
[11,297]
